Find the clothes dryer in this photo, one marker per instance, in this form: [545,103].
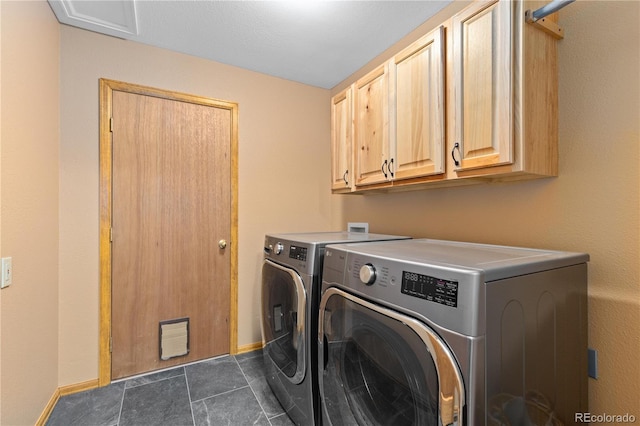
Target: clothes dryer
[291,277]
[427,332]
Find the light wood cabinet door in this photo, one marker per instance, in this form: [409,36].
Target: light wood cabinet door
[482,64]
[474,100]
[341,141]
[371,127]
[418,72]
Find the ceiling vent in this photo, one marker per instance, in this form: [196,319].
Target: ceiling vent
[116,18]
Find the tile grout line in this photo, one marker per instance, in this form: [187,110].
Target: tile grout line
[134,383]
[252,391]
[153,381]
[186,379]
[124,389]
[222,393]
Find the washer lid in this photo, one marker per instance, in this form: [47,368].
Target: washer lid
[334,237]
[303,251]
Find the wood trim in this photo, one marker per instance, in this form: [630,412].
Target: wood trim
[538,99]
[106,88]
[104,366]
[48,409]
[233,294]
[62,391]
[79,387]
[95,383]
[250,347]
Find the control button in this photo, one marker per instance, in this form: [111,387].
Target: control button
[368,274]
[278,248]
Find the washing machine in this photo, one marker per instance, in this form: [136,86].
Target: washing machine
[291,277]
[428,332]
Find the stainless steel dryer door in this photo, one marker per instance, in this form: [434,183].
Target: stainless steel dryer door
[380,367]
[283,319]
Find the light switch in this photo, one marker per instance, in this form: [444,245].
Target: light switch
[7,272]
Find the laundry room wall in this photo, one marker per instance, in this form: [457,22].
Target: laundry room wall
[283,171]
[592,206]
[284,187]
[29,105]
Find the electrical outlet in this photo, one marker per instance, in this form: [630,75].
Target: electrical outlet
[593,363]
[6,273]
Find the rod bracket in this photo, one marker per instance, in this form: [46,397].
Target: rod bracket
[544,24]
[538,17]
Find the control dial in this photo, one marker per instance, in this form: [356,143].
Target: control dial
[278,248]
[368,274]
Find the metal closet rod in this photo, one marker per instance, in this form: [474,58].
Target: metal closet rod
[550,8]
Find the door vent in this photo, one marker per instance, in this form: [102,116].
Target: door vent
[174,338]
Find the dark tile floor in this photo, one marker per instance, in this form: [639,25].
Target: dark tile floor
[230,390]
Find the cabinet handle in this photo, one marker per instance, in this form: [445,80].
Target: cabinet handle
[453,153]
[344,178]
[390,167]
[384,165]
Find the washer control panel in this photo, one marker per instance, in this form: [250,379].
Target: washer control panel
[430,288]
[298,253]
[278,248]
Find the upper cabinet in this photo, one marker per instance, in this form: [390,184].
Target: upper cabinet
[417,75]
[399,115]
[341,141]
[505,93]
[473,100]
[371,127]
[482,67]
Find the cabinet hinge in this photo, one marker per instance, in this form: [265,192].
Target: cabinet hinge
[110,234]
[110,344]
[111,124]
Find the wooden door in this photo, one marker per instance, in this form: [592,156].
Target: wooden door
[341,141]
[418,74]
[482,56]
[371,127]
[171,206]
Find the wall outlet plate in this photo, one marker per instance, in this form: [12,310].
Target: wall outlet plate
[593,363]
[362,227]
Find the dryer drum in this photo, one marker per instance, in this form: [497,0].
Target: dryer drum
[280,303]
[534,408]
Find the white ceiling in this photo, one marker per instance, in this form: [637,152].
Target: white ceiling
[319,43]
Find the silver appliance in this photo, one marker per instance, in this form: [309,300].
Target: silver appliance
[291,277]
[427,332]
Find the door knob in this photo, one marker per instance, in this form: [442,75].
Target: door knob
[222,244]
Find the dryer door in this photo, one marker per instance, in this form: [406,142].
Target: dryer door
[283,314]
[380,367]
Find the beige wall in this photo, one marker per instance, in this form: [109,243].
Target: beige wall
[283,171]
[29,209]
[591,207]
[49,188]
[0,204]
